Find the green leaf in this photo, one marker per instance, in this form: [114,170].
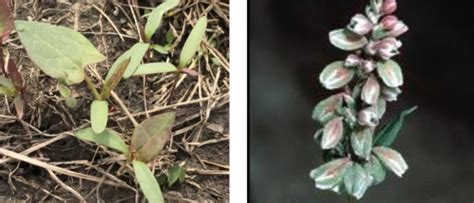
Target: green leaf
[7,87]
[71,102]
[135,54]
[154,68]
[160,49]
[192,43]
[390,131]
[151,135]
[113,81]
[346,40]
[156,16]
[390,72]
[108,138]
[99,115]
[330,174]
[169,36]
[392,160]
[335,75]
[58,51]
[361,142]
[357,181]
[325,110]
[147,182]
[6,20]
[375,169]
[175,173]
[64,90]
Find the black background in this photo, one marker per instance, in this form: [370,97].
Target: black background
[288,47]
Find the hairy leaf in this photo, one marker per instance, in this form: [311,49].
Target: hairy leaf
[333,132]
[392,160]
[346,40]
[361,142]
[6,20]
[335,75]
[108,138]
[357,181]
[391,73]
[330,174]
[156,16]
[151,135]
[99,115]
[58,51]
[135,54]
[390,132]
[192,43]
[147,182]
[154,68]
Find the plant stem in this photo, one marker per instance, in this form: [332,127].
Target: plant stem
[91,86]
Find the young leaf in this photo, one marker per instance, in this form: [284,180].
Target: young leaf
[174,174]
[357,181]
[151,135]
[330,174]
[6,20]
[371,90]
[346,40]
[154,68]
[390,132]
[64,90]
[326,109]
[192,43]
[391,73]
[71,102]
[14,75]
[108,138]
[169,36]
[156,16]
[113,81]
[147,182]
[99,115]
[375,169]
[333,132]
[7,87]
[160,49]
[61,55]
[135,54]
[361,142]
[392,160]
[335,75]
[19,106]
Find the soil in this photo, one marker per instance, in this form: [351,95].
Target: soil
[201,133]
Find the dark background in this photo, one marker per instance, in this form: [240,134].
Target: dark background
[288,47]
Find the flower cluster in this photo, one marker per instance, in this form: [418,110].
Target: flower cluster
[357,157]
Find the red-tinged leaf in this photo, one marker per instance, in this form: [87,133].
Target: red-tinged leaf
[6,20]
[113,81]
[332,134]
[15,76]
[371,90]
[325,110]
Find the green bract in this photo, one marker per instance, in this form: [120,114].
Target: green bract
[330,174]
[62,55]
[326,109]
[357,181]
[390,72]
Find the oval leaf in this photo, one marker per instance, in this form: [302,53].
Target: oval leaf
[175,173]
[99,115]
[361,142]
[147,182]
[375,169]
[108,138]
[391,73]
[357,181]
[61,55]
[335,75]
[330,174]
[346,40]
[390,132]
[156,16]
[151,135]
[192,43]
[326,109]
[154,68]
[371,90]
[135,54]
[392,160]
[6,20]
[332,134]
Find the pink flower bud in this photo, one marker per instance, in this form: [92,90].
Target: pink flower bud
[388,47]
[389,22]
[398,29]
[368,117]
[352,60]
[360,24]
[389,6]
[367,66]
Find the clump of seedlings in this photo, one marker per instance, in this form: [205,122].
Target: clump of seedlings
[65,54]
[357,155]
